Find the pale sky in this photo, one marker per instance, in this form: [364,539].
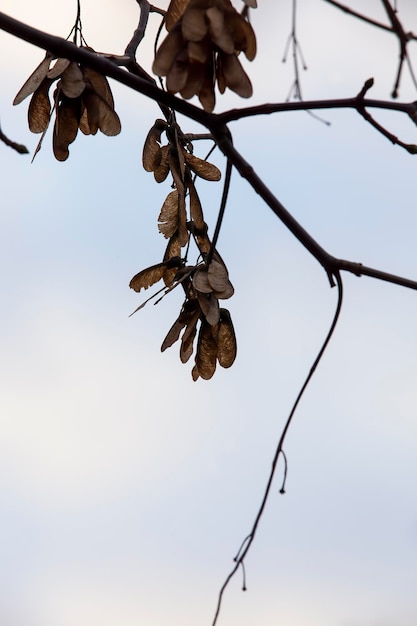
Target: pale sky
[125,487]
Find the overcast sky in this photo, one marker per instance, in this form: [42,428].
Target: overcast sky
[125,487]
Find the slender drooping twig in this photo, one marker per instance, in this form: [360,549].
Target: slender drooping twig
[247,542]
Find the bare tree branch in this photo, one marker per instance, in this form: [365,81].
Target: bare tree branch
[20,148]
[215,123]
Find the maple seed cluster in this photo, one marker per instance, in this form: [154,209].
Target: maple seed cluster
[82,100]
[180,220]
[202,47]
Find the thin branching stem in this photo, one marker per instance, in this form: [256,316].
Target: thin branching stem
[216,125]
[248,541]
[139,33]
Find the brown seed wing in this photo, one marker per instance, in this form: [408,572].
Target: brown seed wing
[147,277]
[39,112]
[161,171]
[151,149]
[66,127]
[173,249]
[173,334]
[34,80]
[201,281]
[109,121]
[234,76]
[196,211]
[218,279]
[72,82]
[58,69]
[168,51]
[174,12]
[194,24]
[206,352]
[226,340]
[168,217]
[204,169]
[99,84]
[209,306]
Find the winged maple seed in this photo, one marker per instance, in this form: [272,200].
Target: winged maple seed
[181,218]
[82,100]
[202,46]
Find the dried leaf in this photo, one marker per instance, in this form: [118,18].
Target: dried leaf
[34,80]
[39,112]
[168,217]
[226,340]
[204,169]
[72,82]
[66,126]
[206,352]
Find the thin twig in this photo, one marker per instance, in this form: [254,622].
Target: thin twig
[216,124]
[360,16]
[139,33]
[279,450]
[20,148]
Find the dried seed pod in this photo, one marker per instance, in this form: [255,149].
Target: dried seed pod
[151,149]
[204,169]
[231,74]
[58,68]
[218,279]
[226,340]
[72,82]
[39,111]
[66,126]
[206,356]
[153,274]
[34,80]
[168,217]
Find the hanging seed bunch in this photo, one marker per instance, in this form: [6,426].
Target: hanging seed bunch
[201,49]
[82,100]
[181,221]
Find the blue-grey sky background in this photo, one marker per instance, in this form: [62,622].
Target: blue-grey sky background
[125,487]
